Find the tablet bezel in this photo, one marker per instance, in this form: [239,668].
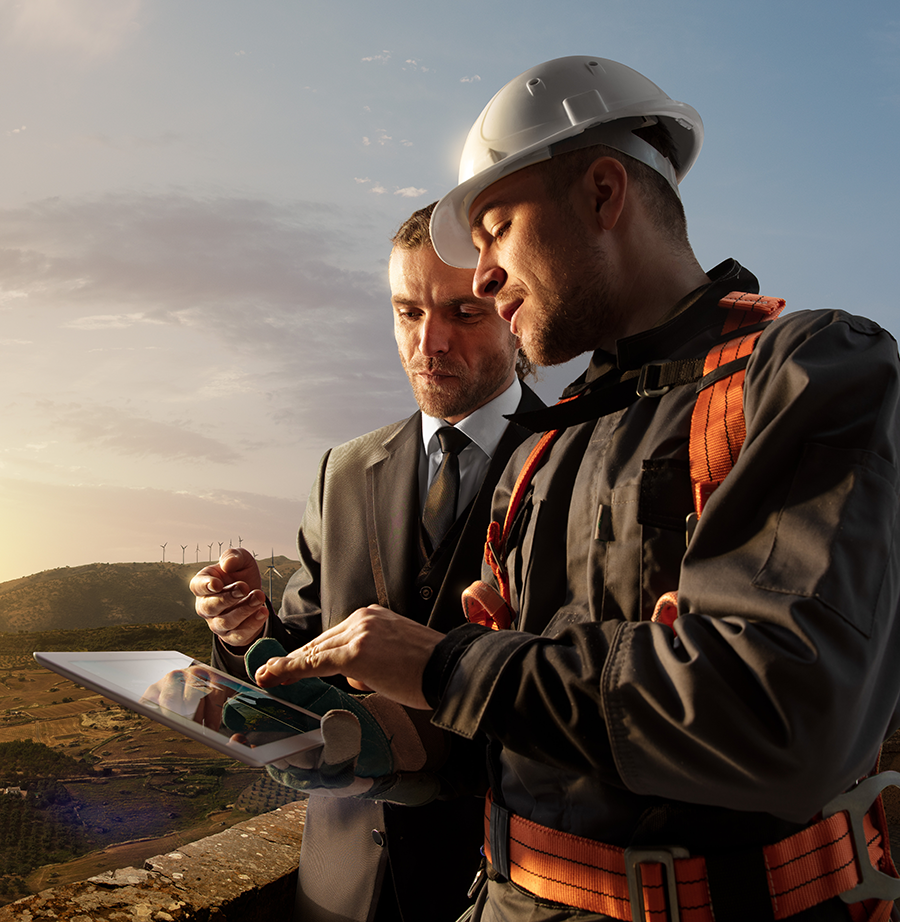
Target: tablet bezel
[68,664]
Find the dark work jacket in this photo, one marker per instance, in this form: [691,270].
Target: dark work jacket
[359,544]
[780,681]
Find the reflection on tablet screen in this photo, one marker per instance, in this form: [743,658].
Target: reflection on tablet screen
[226,705]
[195,694]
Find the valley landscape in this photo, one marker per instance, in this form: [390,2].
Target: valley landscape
[87,786]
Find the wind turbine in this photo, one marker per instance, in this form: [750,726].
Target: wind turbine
[210,550]
[269,571]
[183,549]
[163,546]
[220,547]
[198,553]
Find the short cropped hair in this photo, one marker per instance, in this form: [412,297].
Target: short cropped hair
[415,233]
[666,211]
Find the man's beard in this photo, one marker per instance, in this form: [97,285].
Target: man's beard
[463,392]
[565,323]
[572,312]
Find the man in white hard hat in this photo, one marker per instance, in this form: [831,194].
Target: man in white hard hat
[363,537]
[697,557]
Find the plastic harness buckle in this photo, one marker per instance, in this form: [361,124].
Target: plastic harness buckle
[856,803]
[662,855]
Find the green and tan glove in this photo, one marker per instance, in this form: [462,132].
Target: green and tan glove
[372,747]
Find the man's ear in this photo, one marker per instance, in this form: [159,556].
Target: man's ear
[605,184]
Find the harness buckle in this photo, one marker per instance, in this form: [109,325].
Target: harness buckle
[499,566]
[648,381]
[856,803]
[663,855]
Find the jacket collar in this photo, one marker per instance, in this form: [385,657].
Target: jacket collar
[665,340]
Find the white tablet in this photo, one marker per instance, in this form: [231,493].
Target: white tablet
[229,715]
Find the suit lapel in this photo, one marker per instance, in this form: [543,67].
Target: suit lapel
[392,515]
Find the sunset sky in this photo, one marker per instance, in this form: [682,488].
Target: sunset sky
[196,200]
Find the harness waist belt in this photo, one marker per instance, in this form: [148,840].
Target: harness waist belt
[803,870]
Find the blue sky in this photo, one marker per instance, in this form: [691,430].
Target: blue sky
[196,200]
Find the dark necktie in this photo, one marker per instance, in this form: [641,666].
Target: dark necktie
[443,494]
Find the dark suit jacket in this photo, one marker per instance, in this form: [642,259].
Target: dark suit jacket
[359,544]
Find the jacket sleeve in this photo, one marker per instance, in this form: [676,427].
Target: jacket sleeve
[778,685]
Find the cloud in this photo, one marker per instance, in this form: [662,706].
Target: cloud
[90,29]
[106,428]
[410,192]
[360,179]
[473,79]
[382,58]
[165,253]
[172,293]
[109,321]
[15,131]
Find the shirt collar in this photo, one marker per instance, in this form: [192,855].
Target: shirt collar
[484,426]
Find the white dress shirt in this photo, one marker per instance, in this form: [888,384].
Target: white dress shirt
[485,427]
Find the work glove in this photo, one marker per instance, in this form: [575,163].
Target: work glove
[372,748]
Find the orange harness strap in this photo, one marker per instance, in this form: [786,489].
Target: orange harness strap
[481,603]
[803,870]
[718,429]
[717,423]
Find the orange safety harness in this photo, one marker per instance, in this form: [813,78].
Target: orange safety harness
[661,884]
[845,854]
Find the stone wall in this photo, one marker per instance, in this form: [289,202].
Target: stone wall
[245,874]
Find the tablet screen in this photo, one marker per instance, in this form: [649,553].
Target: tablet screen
[228,714]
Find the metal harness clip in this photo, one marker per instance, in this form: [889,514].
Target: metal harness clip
[648,381]
[856,803]
[498,560]
[664,856]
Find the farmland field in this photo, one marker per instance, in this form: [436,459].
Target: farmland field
[90,786]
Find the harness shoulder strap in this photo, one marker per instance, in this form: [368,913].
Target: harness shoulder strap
[717,424]
[718,428]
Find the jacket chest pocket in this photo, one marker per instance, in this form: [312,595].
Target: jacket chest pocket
[641,539]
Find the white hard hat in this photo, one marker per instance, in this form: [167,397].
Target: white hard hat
[548,104]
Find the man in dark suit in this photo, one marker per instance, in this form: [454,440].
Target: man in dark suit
[362,541]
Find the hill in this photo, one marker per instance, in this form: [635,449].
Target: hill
[103,594]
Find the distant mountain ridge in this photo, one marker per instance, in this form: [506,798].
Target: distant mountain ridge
[102,594]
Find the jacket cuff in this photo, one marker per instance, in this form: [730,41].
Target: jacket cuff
[439,667]
[473,675]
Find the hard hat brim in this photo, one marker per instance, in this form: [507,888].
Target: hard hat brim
[451,235]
